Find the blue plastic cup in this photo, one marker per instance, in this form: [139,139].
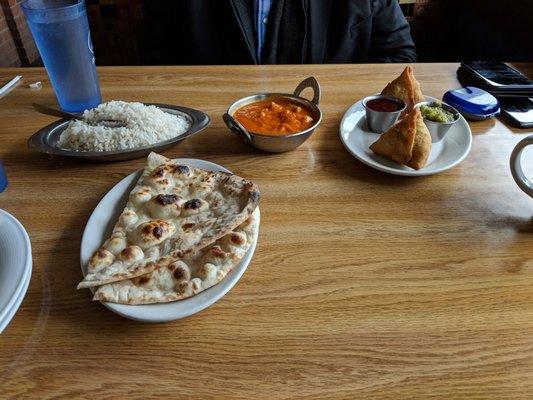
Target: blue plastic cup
[3,178]
[61,31]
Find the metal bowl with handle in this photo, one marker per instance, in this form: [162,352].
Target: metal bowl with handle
[278,143]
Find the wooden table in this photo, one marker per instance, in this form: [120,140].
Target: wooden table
[363,284]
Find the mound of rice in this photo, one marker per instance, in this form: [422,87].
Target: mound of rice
[144,125]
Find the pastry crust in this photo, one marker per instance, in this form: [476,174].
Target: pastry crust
[397,142]
[405,87]
[421,145]
[407,142]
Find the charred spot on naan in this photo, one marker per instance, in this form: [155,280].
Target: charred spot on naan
[142,280]
[237,238]
[217,252]
[254,196]
[180,169]
[180,271]
[101,258]
[194,206]
[215,255]
[153,232]
[165,206]
[149,266]
[161,184]
[159,172]
[166,199]
[131,254]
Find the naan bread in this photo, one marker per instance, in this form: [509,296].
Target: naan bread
[173,210]
[407,142]
[405,87]
[186,276]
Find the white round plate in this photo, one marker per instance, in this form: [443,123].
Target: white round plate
[11,313]
[444,155]
[15,266]
[101,224]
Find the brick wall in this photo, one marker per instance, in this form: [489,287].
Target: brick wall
[17,47]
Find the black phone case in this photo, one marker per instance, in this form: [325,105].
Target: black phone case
[468,78]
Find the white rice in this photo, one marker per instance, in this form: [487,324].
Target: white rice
[144,125]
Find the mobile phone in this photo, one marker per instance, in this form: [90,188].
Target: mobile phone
[517,110]
[495,77]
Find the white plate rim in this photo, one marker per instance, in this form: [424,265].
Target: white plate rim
[211,295]
[16,305]
[27,263]
[384,168]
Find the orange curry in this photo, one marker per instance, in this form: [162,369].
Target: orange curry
[274,117]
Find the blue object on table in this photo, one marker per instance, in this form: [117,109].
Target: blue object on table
[3,178]
[61,31]
[473,103]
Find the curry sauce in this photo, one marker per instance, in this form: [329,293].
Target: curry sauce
[274,117]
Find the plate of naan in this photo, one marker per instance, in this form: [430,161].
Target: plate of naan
[406,148]
[170,240]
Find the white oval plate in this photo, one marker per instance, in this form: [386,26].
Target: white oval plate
[101,224]
[15,266]
[444,155]
[13,310]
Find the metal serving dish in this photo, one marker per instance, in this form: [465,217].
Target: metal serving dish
[380,121]
[438,130]
[281,143]
[46,139]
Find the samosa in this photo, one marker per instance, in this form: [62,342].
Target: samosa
[407,142]
[405,87]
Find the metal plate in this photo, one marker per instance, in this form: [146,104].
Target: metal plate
[46,139]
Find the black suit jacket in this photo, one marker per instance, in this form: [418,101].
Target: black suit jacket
[298,31]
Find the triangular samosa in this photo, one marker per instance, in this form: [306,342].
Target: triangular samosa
[397,142]
[407,142]
[405,87]
[421,146]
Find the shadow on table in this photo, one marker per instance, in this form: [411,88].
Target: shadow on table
[62,273]
[340,162]
[520,225]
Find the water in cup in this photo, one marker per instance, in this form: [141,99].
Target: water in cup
[61,31]
[3,178]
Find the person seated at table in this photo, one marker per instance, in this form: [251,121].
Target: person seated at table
[276,32]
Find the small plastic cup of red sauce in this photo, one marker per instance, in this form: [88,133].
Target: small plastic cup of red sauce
[382,111]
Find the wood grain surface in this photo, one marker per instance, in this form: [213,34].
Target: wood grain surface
[363,285]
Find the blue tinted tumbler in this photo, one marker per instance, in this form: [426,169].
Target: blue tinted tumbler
[3,178]
[61,30]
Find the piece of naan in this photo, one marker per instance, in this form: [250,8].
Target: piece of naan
[405,87]
[177,279]
[173,209]
[407,142]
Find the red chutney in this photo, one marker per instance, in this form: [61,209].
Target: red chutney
[274,117]
[384,105]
